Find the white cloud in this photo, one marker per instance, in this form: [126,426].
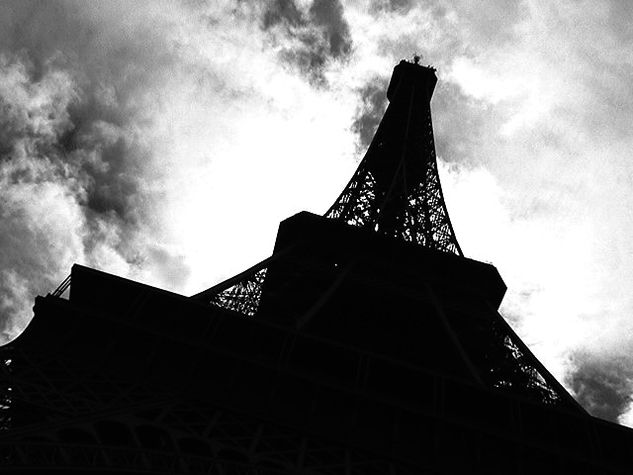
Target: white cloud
[626,418]
[167,143]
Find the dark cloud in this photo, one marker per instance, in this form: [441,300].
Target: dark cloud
[619,20]
[601,385]
[74,162]
[328,16]
[310,40]
[282,12]
[108,77]
[401,6]
[371,108]
[458,125]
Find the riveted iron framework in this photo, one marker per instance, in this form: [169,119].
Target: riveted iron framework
[84,422]
[396,189]
[232,395]
[396,193]
[95,422]
[366,344]
[495,356]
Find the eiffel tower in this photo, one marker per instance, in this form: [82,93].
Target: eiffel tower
[365,344]
[396,190]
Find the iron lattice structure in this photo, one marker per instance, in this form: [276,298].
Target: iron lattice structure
[396,192]
[120,388]
[58,418]
[497,356]
[365,345]
[396,189]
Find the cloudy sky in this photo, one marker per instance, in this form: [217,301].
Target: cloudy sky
[165,141]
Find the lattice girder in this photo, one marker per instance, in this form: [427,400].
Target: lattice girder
[396,189]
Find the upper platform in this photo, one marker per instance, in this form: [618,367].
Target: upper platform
[407,76]
[403,263]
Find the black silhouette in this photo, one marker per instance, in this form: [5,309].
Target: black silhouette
[366,344]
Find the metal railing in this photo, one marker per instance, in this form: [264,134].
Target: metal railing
[59,291]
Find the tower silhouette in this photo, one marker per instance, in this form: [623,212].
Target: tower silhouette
[396,189]
[366,343]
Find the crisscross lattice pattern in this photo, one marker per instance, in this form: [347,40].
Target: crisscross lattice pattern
[396,189]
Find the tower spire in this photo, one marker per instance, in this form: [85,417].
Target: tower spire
[396,189]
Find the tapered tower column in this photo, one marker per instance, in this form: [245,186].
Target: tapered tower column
[396,189]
